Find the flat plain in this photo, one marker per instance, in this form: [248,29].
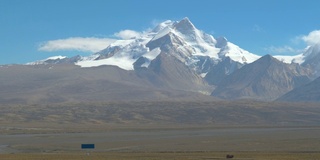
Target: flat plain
[166,130]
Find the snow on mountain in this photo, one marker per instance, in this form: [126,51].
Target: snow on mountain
[312,58]
[56,57]
[197,49]
[309,58]
[163,25]
[122,53]
[310,53]
[162,33]
[47,60]
[181,39]
[202,43]
[237,54]
[122,61]
[188,44]
[291,59]
[150,56]
[177,55]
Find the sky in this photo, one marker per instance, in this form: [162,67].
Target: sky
[32,30]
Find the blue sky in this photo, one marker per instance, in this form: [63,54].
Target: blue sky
[261,27]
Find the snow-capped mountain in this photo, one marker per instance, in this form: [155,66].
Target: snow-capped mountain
[193,47]
[291,59]
[48,60]
[176,56]
[310,58]
[57,60]
[197,49]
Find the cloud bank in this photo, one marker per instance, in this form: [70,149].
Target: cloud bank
[88,44]
[85,44]
[127,34]
[312,38]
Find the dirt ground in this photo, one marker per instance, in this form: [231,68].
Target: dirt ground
[164,156]
[261,143]
[130,131]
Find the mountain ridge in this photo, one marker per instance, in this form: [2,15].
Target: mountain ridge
[266,79]
[175,55]
[196,42]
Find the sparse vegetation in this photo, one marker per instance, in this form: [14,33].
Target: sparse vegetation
[161,130]
[168,113]
[165,156]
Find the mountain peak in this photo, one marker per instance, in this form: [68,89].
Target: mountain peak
[185,26]
[268,60]
[267,57]
[163,25]
[186,19]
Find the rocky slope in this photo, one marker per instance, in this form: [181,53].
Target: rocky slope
[307,93]
[266,79]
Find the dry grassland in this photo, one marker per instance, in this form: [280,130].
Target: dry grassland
[164,156]
[161,130]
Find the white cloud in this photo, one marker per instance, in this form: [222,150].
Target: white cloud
[88,44]
[127,34]
[85,44]
[312,38]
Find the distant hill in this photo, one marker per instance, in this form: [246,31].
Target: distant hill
[266,79]
[306,93]
[69,83]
